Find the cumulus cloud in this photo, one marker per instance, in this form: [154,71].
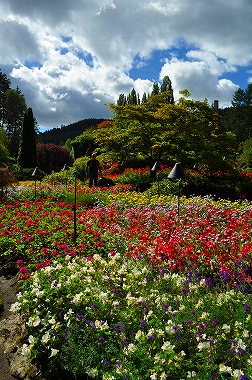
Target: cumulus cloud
[70,58]
[200,76]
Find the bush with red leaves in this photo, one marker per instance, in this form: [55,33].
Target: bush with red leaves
[52,157]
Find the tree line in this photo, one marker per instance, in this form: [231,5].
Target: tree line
[153,128]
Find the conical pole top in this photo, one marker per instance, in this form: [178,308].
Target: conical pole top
[37,173]
[177,172]
[155,167]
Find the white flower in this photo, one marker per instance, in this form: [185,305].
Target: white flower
[25,350]
[77,298]
[167,346]
[93,372]
[190,374]
[45,338]
[138,335]
[54,352]
[226,327]
[153,376]
[15,307]
[203,345]
[245,334]
[31,339]
[225,369]
[34,321]
[237,373]
[163,376]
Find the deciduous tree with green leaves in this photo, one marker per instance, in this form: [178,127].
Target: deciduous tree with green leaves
[189,131]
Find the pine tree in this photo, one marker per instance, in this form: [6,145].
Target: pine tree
[121,100]
[4,86]
[27,155]
[144,98]
[155,89]
[167,87]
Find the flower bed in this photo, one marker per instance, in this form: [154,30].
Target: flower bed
[141,294]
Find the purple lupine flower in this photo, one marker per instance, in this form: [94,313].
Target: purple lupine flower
[79,317]
[118,362]
[106,363]
[150,338]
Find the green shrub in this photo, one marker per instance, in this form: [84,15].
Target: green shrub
[140,180]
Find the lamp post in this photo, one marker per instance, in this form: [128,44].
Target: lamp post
[177,173]
[153,172]
[74,208]
[37,174]
[64,169]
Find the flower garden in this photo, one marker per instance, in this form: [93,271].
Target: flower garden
[141,293]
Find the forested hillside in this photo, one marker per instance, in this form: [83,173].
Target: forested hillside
[60,135]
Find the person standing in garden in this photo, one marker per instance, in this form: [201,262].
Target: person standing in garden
[93,169]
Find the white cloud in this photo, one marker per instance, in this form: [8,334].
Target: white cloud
[200,76]
[71,57]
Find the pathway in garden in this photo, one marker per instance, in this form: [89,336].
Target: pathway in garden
[8,293]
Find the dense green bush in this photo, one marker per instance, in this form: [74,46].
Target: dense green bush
[140,180]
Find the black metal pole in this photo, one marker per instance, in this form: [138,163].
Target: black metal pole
[35,189]
[74,211]
[178,197]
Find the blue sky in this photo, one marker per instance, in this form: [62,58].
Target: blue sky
[71,58]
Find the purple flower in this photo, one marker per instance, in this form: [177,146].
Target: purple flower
[150,337]
[79,316]
[143,323]
[165,306]
[185,290]
[106,363]
[243,377]
[101,339]
[215,321]
[246,307]
[125,343]
[118,362]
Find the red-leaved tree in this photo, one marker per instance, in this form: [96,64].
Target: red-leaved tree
[52,157]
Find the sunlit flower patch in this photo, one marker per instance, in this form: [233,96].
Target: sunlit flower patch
[118,317]
[143,292]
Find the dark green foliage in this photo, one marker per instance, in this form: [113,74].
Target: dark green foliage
[155,89]
[4,86]
[238,118]
[27,155]
[167,87]
[61,134]
[245,158]
[15,108]
[52,157]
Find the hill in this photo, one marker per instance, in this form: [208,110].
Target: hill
[60,135]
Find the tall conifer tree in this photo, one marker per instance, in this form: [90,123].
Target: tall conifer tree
[27,155]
